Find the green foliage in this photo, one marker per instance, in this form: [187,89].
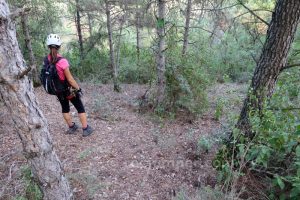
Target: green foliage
[94,68]
[219,109]
[186,79]
[44,18]
[204,144]
[264,4]
[231,59]
[32,190]
[160,23]
[274,151]
[134,71]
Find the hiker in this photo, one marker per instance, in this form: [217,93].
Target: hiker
[72,91]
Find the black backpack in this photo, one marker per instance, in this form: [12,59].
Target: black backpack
[50,79]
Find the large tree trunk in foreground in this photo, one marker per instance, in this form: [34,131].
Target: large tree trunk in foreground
[17,93]
[280,36]
[161,61]
[32,62]
[187,27]
[111,48]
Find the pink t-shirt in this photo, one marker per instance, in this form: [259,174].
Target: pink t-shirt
[61,65]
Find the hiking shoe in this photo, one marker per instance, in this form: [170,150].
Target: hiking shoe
[87,131]
[72,129]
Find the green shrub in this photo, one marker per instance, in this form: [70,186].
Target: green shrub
[274,152]
[219,109]
[231,59]
[133,72]
[94,67]
[204,144]
[32,190]
[186,79]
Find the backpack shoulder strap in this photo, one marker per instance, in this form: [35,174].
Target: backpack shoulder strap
[59,58]
[46,61]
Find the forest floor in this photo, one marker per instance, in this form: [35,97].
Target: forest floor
[130,155]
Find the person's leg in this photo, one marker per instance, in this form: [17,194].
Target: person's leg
[76,101]
[66,111]
[83,119]
[68,119]
[86,129]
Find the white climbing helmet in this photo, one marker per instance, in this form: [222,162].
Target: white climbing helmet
[53,39]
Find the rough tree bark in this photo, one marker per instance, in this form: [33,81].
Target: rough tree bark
[32,62]
[161,61]
[280,36]
[111,48]
[187,27]
[78,26]
[17,93]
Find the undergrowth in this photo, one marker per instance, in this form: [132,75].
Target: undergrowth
[32,190]
[274,152]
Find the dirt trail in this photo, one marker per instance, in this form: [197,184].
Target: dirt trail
[129,156]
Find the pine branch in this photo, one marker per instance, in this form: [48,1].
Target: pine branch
[285,109]
[290,66]
[253,13]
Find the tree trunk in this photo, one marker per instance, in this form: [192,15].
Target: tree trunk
[111,48]
[138,39]
[90,24]
[161,61]
[187,27]
[280,36]
[119,46]
[79,32]
[34,73]
[17,93]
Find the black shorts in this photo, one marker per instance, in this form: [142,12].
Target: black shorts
[76,101]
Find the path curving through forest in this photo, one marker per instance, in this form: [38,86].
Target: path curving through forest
[130,155]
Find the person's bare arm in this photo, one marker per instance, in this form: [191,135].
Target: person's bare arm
[70,79]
